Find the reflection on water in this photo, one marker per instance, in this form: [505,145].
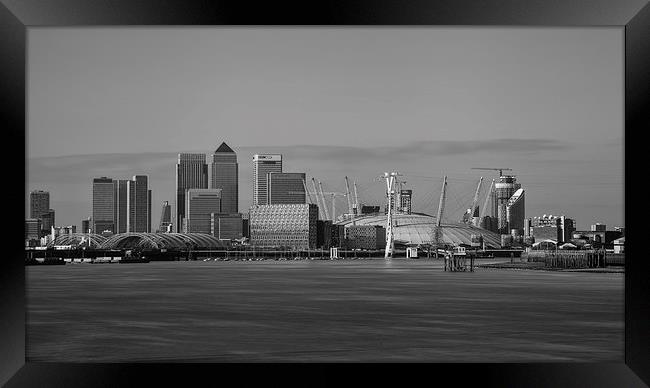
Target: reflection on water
[361,310]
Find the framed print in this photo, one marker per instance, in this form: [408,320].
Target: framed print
[339,187]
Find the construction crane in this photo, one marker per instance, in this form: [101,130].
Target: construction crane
[307,193]
[487,201]
[475,200]
[349,198]
[356,199]
[322,197]
[318,203]
[441,204]
[501,170]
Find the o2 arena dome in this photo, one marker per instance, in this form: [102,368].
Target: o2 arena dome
[418,228]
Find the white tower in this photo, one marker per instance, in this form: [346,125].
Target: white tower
[390,191]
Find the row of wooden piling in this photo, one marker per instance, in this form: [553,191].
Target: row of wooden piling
[570,259]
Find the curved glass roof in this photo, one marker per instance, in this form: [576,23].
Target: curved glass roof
[418,228]
[161,240]
[91,239]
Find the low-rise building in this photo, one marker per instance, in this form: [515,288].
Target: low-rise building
[226,226]
[619,245]
[365,237]
[33,229]
[541,227]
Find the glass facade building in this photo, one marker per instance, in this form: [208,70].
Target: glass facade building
[226,226]
[516,212]
[103,205]
[285,188]
[262,165]
[191,173]
[365,237]
[504,189]
[286,225]
[39,203]
[138,218]
[225,176]
[200,204]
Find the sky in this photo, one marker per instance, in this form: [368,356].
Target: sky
[350,101]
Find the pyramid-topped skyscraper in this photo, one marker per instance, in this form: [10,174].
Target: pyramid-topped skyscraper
[225,176]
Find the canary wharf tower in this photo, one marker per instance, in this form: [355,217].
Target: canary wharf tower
[225,172]
[191,173]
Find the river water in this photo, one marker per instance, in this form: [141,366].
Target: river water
[357,310]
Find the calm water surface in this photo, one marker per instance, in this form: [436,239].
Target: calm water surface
[361,310]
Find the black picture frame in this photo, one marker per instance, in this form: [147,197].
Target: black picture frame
[18,15]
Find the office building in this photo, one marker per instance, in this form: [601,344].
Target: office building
[48,220]
[516,212]
[39,203]
[291,226]
[138,205]
[262,165]
[149,210]
[324,234]
[406,197]
[527,226]
[104,204]
[598,227]
[33,229]
[504,189]
[200,204]
[86,225]
[285,188]
[121,205]
[225,176]
[226,226]
[369,237]
[369,209]
[245,220]
[62,230]
[559,228]
[39,207]
[165,218]
[191,173]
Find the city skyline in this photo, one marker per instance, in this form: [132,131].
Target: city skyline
[423,186]
[546,102]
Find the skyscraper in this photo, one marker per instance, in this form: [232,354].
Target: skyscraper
[285,188]
[121,205]
[191,173]
[262,165]
[200,205]
[515,211]
[103,205]
[504,189]
[39,203]
[138,219]
[405,198]
[39,207]
[165,218]
[225,174]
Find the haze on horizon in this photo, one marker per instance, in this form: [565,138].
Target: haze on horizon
[428,102]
